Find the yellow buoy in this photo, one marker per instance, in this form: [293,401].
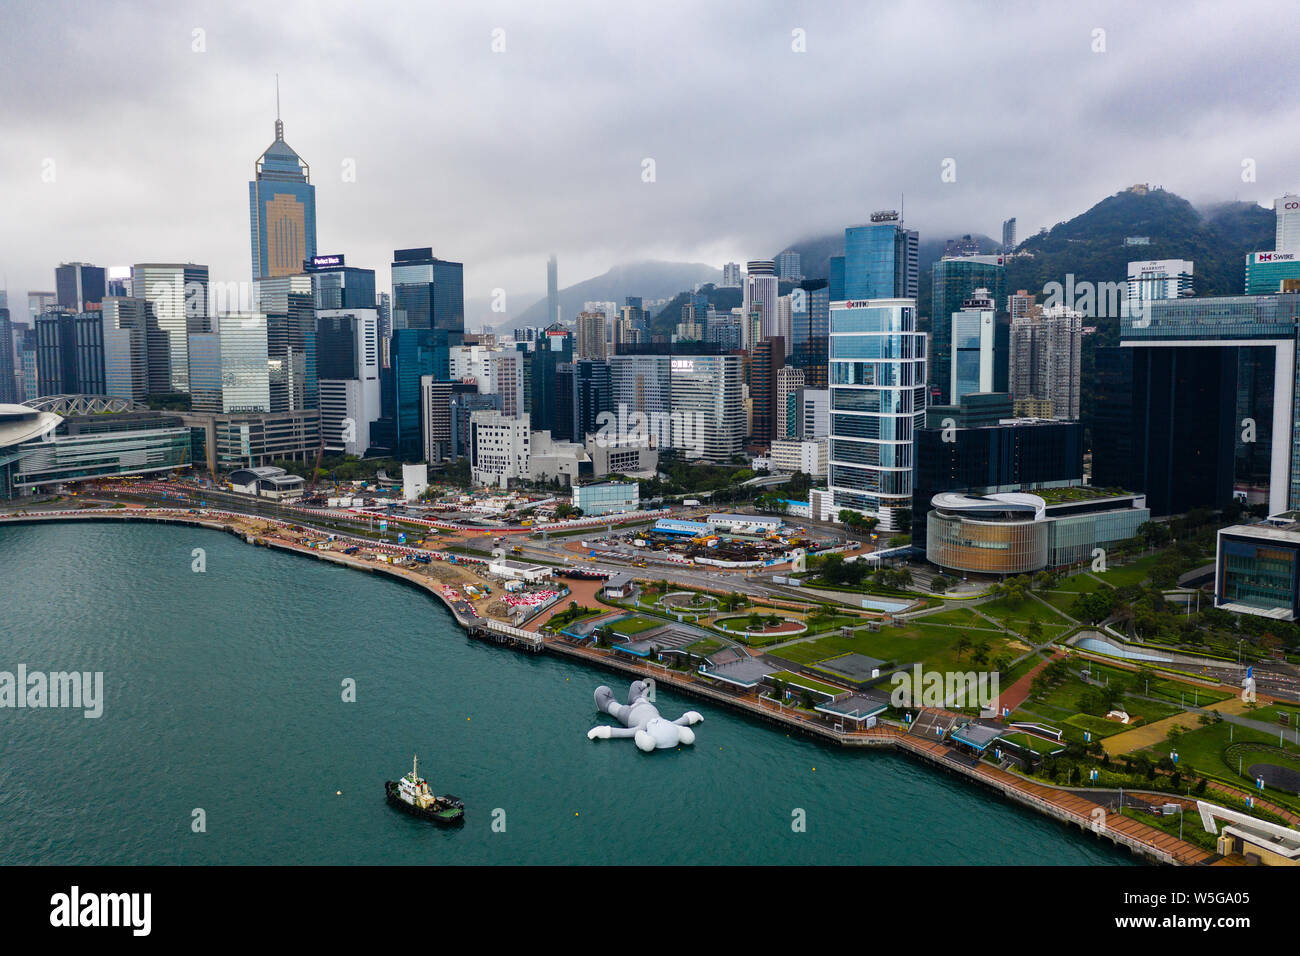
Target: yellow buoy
[338,793]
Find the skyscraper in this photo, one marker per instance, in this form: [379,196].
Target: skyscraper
[552,290]
[878,399]
[789,380]
[80,286]
[810,330]
[1287,209]
[881,259]
[347,361]
[877,370]
[1158,279]
[8,378]
[708,412]
[126,323]
[760,294]
[336,285]
[591,336]
[548,409]
[1046,350]
[1009,234]
[70,353]
[178,297]
[281,209]
[979,347]
[731,276]
[953,281]
[229,367]
[428,293]
[592,396]
[788,267]
[1202,407]
[764,365]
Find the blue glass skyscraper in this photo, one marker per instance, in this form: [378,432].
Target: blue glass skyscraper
[877,361]
[428,293]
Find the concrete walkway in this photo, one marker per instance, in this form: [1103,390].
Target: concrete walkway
[1148,735]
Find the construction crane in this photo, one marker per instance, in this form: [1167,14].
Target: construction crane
[315,475]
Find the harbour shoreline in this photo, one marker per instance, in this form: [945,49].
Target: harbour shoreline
[1060,804]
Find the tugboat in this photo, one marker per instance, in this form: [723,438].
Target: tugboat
[411,794]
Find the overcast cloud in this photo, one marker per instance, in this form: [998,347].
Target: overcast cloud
[498,159]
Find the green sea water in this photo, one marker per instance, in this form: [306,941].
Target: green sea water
[223,693]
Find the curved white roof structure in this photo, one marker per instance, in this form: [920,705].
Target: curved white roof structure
[1014,505]
[20,423]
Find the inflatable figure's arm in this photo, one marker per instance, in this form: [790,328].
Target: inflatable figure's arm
[688,718]
[605,732]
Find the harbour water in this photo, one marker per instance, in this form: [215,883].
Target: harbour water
[223,693]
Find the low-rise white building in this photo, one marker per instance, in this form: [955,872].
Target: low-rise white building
[809,457]
[518,570]
[743,524]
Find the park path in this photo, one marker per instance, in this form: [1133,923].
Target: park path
[1150,734]
[1018,693]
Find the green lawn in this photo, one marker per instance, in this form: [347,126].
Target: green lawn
[1017,614]
[801,681]
[1036,744]
[635,624]
[1133,573]
[704,647]
[959,616]
[933,645]
[1270,714]
[1174,691]
[1204,748]
[1098,726]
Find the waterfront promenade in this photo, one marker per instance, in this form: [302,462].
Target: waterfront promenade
[1067,806]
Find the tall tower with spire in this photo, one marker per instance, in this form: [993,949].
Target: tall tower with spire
[281,208]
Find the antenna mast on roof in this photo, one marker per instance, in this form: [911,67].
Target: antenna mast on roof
[279,126]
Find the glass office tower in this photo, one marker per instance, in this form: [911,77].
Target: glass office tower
[1168,429]
[877,386]
[428,293]
[810,323]
[281,211]
[880,260]
[953,281]
[338,286]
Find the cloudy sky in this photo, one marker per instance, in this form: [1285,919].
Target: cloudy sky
[128,131]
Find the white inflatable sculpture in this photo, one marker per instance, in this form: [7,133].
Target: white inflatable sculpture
[641,720]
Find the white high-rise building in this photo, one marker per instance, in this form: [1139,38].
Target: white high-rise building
[812,411]
[506,378]
[1287,209]
[499,447]
[974,356]
[731,276]
[708,406]
[1155,279]
[178,296]
[788,381]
